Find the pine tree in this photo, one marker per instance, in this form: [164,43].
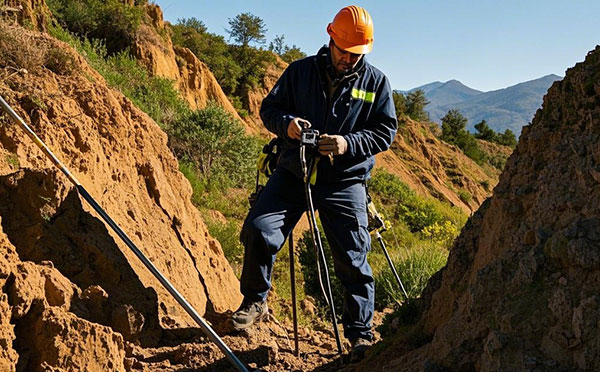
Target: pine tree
[415,105]
[484,132]
[246,28]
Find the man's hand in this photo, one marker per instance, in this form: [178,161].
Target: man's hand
[332,145]
[295,127]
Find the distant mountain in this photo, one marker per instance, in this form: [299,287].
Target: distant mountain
[508,108]
[425,88]
[452,91]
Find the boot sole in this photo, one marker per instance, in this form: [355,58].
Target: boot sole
[241,326]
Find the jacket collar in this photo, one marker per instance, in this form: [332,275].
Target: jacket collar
[323,59]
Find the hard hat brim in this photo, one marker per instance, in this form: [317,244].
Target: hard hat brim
[349,47]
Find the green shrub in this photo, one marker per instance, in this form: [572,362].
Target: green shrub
[415,265]
[218,146]
[113,21]
[443,234]
[422,230]
[239,107]
[13,161]
[198,185]
[253,63]
[154,95]
[408,207]
[465,196]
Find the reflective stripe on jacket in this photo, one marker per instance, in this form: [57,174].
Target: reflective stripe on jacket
[361,110]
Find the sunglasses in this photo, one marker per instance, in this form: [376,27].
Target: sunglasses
[344,52]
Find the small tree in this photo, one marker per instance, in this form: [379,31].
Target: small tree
[453,131]
[508,138]
[453,124]
[277,46]
[288,54]
[415,105]
[218,146]
[484,132]
[399,103]
[292,54]
[246,28]
[193,23]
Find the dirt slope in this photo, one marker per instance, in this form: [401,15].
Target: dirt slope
[520,290]
[72,290]
[196,83]
[434,168]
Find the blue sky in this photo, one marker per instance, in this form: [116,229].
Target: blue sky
[486,44]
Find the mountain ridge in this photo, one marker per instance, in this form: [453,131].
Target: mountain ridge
[506,108]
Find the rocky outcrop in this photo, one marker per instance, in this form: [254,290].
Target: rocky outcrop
[71,292]
[33,14]
[253,98]
[196,83]
[435,168]
[520,290]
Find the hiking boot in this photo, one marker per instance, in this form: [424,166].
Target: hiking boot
[359,348]
[248,314]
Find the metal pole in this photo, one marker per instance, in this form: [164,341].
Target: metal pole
[109,221]
[321,256]
[389,260]
[293,285]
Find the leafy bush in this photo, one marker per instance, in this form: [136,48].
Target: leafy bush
[454,132]
[253,63]
[287,53]
[441,233]
[154,95]
[113,21]
[218,146]
[465,196]
[408,207]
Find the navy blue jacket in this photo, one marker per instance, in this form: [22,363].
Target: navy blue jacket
[361,110]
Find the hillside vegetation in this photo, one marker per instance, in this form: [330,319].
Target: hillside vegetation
[426,188]
[206,141]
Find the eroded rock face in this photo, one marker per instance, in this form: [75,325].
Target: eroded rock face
[75,344]
[67,282]
[521,287]
[29,13]
[8,355]
[196,83]
[435,168]
[253,98]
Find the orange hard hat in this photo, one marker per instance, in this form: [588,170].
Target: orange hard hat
[352,30]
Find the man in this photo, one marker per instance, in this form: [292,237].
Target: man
[350,103]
